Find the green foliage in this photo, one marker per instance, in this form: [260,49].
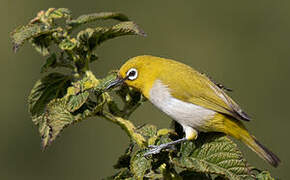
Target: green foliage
[215,154]
[83,19]
[212,156]
[58,100]
[46,89]
[56,27]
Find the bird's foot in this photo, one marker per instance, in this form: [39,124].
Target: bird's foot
[153,149]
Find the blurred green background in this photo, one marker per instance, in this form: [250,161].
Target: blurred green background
[242,44]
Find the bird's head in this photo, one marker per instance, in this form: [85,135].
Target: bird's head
[138,72]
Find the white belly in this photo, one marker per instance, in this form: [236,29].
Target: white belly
[187,114]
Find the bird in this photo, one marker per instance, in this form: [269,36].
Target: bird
[191,99]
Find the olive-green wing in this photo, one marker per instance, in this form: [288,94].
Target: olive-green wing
[191,86]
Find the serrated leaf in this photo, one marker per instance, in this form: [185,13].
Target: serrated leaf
[57,113]
[24,33]
[140,164]
[214,154]
[54,120]
[187,148]
[264,175]
[76,101]
[83,19]
[47,88]
[127,28]
[148,131]
[90,38]
[58,13]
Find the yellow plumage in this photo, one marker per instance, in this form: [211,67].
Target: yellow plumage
[190,98]
[184,82]
[236,129]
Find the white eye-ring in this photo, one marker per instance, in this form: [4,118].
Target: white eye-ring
[132,74]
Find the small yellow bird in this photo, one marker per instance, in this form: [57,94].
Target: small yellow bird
[191,99]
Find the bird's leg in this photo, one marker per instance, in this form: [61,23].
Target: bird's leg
[190,134]
[156,149]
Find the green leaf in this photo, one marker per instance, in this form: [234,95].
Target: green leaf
[264,175]
[213,153]
[58,13]
[127,28]
[76,101]
[47,88]
[148,131]
[24,33]
[83,19]
[54,120]
[49,63]
[90,38]
[140,164]
[56,113]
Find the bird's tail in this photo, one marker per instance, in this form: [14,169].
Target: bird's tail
[236,129]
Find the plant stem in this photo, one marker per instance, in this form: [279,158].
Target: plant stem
[127,126]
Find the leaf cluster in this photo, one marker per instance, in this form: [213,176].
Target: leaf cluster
[55,27]
[213,156]
[58,100]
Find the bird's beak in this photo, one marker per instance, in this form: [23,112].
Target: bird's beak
[117,82]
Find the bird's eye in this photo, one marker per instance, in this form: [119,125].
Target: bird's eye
[132,74]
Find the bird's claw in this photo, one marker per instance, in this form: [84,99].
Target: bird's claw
[154,149]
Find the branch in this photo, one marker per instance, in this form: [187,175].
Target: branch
[129,128]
